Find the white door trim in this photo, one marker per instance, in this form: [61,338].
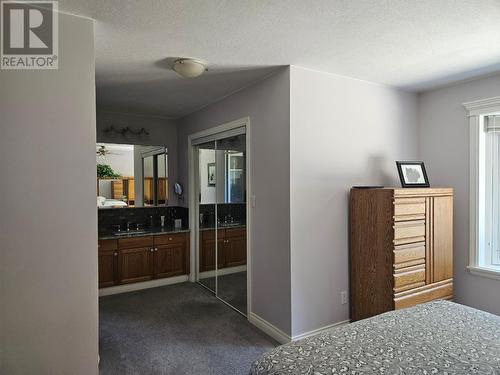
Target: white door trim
[192,192]
[476,110]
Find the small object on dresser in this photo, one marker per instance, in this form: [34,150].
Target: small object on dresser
[178,223]
[412,174]
[162,219]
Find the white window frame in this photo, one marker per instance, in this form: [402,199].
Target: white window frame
[477,110]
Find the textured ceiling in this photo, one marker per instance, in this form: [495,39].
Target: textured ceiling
[414,45]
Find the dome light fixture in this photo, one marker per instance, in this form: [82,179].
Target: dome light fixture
[189,68]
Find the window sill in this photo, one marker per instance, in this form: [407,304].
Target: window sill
[490,273]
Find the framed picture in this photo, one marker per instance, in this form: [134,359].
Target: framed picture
[211,174]
[412,174]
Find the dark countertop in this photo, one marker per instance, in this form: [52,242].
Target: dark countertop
[109,235]
[222,226]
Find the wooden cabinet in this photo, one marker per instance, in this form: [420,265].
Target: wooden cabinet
[401,248]
[235,249]
[135,265]
[137,259]
[207,258]
[108,263]
[231,246]
[171,255]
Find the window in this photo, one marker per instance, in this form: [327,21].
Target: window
[484,118]
[491,254]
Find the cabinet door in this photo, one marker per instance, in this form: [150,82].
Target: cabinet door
[442,238]
[236,251]
[135,265]
[208,254]
[107,268]
[170,260]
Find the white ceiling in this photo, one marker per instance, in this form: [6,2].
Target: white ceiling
[411,44]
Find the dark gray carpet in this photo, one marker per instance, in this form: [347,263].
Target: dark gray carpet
[209,282]
[176,329]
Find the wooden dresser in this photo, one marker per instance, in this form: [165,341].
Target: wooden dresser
[401,248]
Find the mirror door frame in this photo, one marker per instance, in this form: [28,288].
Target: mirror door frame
[194,208]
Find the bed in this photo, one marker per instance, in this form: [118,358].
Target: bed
[438,337]
[106,202]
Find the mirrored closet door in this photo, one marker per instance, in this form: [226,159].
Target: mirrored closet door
[222,231]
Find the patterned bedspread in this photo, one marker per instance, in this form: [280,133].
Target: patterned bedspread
[438,337]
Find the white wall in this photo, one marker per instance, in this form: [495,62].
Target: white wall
[267,103]
[343,132]
[444,145]
[48,236]
[162,132]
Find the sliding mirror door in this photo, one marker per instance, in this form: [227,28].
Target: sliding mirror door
[231,272]
[207,190]
[222,233]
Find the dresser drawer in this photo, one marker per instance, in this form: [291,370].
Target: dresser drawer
[409,255]
[409,278]
[441,290]
[409,232]
[135,242]
[409,209]
[165,239]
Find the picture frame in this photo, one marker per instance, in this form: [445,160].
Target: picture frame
[211,177]
[412,174]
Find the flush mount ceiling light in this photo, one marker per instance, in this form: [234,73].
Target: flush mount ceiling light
[189,68]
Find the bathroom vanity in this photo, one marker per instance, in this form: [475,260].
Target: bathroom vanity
[132,258]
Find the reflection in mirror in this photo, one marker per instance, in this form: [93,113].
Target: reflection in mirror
[231,169]
[231,219]
[119,175]
[207,190]
[162,182]
[222,255]
[155,181]
[147,168]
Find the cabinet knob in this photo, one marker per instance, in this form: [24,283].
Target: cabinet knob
[156,249]
[170,238]
[151,250]
[115,254]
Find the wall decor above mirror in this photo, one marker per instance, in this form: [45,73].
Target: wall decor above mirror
[131,175]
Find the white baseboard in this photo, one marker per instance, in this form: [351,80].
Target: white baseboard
[281,336]
[143,285]
[319,330]
[268,328]
[223,271]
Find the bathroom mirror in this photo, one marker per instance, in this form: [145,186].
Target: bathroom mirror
[154,172]
[131,175]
